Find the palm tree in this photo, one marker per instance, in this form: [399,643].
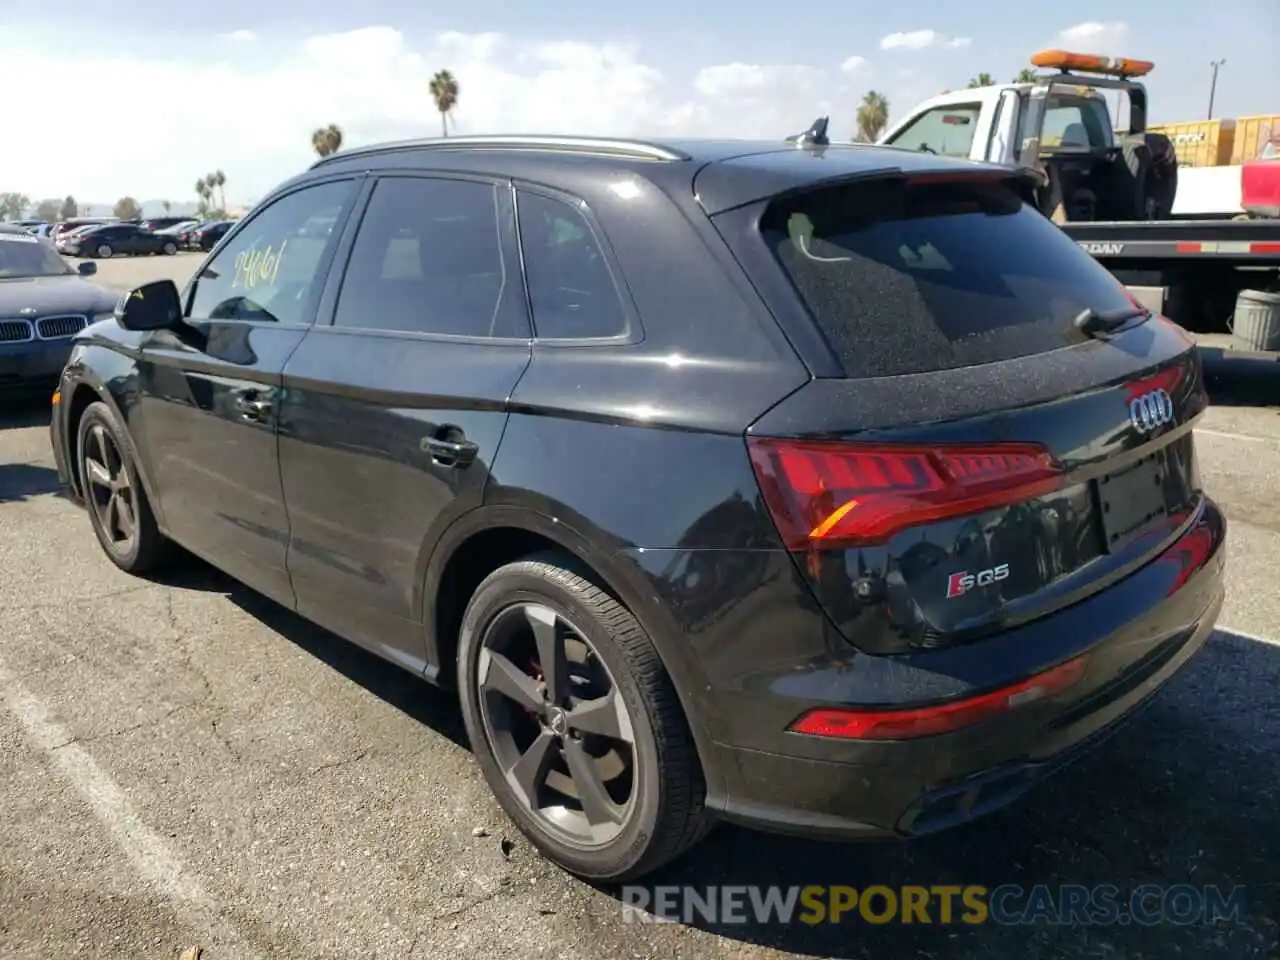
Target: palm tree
[1025,75]
[444,90]
[982,80]
[204,192]
[326,140]
[873,115]
[218,179]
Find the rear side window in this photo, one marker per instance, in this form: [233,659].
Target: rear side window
[910,278]
[571,290]
[1074,122]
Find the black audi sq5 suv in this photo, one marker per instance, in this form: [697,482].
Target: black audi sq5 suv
[823,489]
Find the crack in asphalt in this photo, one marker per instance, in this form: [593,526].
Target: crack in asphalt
[108,734]
[470,905]
[344,762]
[28,605]
[187,660]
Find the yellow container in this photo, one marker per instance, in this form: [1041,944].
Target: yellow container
[1252,134]
[1201,143]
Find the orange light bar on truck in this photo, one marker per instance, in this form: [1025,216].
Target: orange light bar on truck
[1091,63]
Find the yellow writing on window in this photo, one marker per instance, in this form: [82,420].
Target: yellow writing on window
[257,267]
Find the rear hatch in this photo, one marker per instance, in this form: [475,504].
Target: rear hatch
[977,460]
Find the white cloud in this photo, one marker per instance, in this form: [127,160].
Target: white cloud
[251,114]
[1097,36]
[923,40]
[750,80]
[240,36]
[373,85]
[854,65]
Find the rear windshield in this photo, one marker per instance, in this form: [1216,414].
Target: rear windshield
[910,278]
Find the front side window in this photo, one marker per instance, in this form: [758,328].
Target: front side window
[947,131]
[429,258]
[269,270]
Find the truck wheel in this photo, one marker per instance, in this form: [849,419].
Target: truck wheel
[1162,178]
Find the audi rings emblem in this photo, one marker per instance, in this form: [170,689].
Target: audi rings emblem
[1151,410]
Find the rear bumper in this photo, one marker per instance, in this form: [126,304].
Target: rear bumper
[1138,635]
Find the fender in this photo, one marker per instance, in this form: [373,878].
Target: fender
[83,372]
[619,575]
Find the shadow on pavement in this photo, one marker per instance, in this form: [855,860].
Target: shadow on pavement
[1241,381]
[1184,795]
[21,481]
[432,707]
[24,408]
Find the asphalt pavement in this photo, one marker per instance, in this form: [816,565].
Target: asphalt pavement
[183,763]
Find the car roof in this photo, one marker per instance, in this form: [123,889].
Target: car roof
[722,173]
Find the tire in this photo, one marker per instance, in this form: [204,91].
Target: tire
[170,248]
[1162,185]
[148,547]
[663,814]
[104,251]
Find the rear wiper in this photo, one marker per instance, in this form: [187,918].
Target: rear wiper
[1099,323]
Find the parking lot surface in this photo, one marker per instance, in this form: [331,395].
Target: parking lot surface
[184,763]
[125,273]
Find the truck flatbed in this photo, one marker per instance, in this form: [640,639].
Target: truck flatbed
[1255,241]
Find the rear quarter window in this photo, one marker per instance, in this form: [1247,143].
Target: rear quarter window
[915,277]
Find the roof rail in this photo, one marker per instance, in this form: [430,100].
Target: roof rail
[606,146]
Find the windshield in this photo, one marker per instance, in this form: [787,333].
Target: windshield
[22,255]
[913,278]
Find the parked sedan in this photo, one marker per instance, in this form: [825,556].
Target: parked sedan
[43,304]
[178,230]
[187,238]
[64,227]
[781,485]
[206,236]
[159,224]
[70,237]
[113,238]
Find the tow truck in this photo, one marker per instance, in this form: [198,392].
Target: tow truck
[1113,192]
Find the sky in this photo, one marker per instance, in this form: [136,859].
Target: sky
[142,97]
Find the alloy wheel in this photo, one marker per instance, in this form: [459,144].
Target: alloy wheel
[557,725]
[110,492]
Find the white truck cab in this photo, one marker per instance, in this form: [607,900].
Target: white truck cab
[989,123]
[995,124]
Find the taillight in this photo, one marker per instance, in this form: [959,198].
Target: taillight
[1166,380]
[824,493]
[853,724]
[1190,553]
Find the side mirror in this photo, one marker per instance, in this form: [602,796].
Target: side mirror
[152,306]
[86,268]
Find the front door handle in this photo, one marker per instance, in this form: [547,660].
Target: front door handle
[253,407]
[450,453]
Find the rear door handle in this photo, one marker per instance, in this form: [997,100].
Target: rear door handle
[450,453]
[253,407]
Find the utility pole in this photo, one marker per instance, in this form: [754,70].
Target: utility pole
[1213,84]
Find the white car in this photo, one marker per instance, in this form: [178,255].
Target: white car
[69,242]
